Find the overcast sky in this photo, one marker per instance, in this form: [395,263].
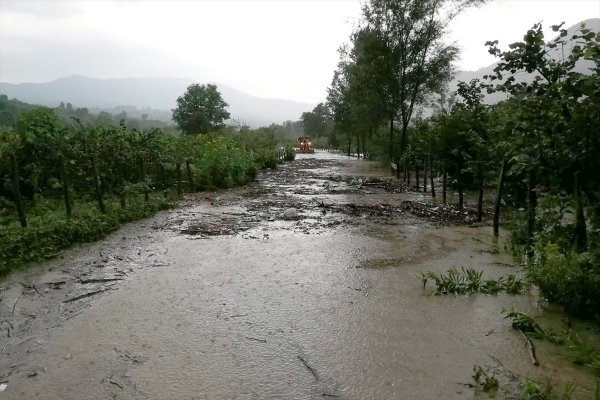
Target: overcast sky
[279,49]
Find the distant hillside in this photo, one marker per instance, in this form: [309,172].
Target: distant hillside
[582,66]
[154,96]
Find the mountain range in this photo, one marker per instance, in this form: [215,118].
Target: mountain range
[152,96]
[157,96]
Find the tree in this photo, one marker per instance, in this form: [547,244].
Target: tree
[413,31]
[317,121]
[200,110]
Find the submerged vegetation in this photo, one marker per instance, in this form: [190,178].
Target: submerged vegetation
[469,281]
[579,350]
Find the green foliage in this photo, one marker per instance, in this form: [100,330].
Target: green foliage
[45,163]
[485,380]
[397,59]
[200,110]
[469,281]
[290,153]
[317,122]
[50,231]
[581,351]
[532,390]
[571,279]
[527,324]
[585,353]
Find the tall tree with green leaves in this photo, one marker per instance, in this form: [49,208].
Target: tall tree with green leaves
[316,122]
[413,31]
[200,110]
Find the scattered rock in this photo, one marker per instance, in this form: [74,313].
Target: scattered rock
[290,213]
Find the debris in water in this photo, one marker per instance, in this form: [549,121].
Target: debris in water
[86,295]
[3,387]
[255,339]
[309,368]
[290,213]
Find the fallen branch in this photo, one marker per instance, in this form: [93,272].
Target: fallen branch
[83,281]
[52,255]
[530,348]
[35,288]
[309,368]
[73,315]
[31,286]
[15,305]
[116,384]
[258,340]
[86,295]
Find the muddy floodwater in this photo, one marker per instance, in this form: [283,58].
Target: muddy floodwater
[305,285]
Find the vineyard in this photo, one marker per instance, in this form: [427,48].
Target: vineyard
[65,182]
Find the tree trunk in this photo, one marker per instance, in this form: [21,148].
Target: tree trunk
[349,152]
[178,172]
[190,179]
[431,176]
[480,199]
[480,203]
[98,184]
[417,185]
[580,225]
[143,173]
[531,210]
[424,176]
[163,176]
[122,199]
[499,197]
[391,148]
[444,184]
[65,185]
[123,185]
[17,192]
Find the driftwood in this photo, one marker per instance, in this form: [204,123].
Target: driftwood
[15,305]
[86,295]
[255,339]
[100,280]
[530,348]
[309,368]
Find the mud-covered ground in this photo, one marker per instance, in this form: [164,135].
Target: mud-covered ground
[302,286]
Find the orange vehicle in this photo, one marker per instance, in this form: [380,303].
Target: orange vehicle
[305,144]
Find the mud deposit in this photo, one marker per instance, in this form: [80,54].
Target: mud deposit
[303,286]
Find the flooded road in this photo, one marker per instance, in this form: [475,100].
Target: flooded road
[303,286]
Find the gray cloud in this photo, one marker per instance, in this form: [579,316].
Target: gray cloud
[41,8]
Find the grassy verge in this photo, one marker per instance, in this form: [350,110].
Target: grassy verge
[50,231]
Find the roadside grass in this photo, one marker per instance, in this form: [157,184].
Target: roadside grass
[578,343]
[49,230]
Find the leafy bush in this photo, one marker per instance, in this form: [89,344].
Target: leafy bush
[290,153]
[570,279]
[52,232]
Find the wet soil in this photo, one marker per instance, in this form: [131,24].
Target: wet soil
[304,285]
